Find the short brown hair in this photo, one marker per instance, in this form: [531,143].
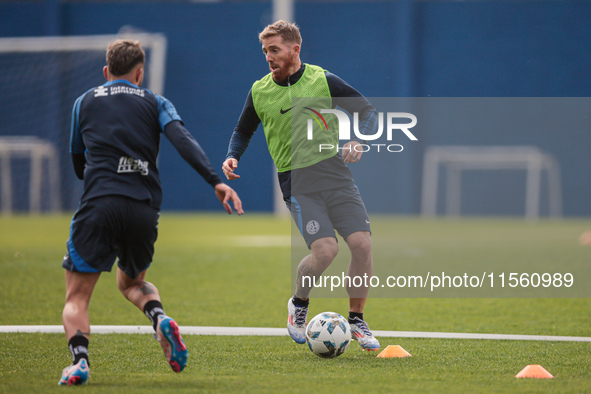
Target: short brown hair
[288,31]
[123,56]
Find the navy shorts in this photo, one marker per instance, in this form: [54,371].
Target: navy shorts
[110,227]
[319,214]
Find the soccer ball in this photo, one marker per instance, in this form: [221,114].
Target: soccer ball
[328,334]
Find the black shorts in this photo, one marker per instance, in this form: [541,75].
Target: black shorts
[319,214]
[108,227]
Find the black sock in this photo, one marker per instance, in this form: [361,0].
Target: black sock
[299,302]
[353,315]
[153,309]
[78,345]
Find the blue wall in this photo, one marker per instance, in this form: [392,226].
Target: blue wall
[384,49]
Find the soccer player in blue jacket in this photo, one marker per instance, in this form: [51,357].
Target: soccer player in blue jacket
[114,142]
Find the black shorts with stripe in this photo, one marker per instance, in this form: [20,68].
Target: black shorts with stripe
[110,227]
[319,214]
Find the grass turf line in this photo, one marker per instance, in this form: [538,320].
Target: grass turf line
[207,278]
[134,363]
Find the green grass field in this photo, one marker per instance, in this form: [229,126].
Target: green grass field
[211,273]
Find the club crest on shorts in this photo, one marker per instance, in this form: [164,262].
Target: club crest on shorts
[312,227]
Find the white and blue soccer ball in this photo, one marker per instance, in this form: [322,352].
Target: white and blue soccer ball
[328,334]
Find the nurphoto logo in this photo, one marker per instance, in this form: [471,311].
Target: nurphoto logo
[392,125]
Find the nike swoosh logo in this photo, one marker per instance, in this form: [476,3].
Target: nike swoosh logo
[284,111]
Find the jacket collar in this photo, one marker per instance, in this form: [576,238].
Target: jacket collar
[293,78]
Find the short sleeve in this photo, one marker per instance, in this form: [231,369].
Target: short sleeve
[166,112]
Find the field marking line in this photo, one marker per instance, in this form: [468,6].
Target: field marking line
[266,331]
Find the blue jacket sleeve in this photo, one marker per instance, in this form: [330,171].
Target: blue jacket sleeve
[348,98]
[77,148]
[191,151]
[247,124]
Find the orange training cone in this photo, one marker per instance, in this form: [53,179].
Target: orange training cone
[393,351]
[534,371]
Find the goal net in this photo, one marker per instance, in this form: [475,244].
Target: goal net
[41,77]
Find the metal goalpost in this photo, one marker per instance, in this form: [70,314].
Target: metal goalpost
[40,74]
[282,9]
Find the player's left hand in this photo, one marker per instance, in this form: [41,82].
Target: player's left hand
[225,193]
[350,154]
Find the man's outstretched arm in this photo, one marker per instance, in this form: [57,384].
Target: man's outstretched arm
[347,97]
[247,124]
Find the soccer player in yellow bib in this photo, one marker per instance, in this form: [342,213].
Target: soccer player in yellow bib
[317,187]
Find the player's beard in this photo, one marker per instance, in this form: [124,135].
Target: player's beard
[287,69]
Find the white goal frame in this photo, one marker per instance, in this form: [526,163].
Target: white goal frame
[156,42]
[459,158]
[42,153]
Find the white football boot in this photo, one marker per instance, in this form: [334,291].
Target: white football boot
[360,332]
[296,321]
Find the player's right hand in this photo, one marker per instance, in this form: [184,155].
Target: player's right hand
[225,194]
[228,167]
